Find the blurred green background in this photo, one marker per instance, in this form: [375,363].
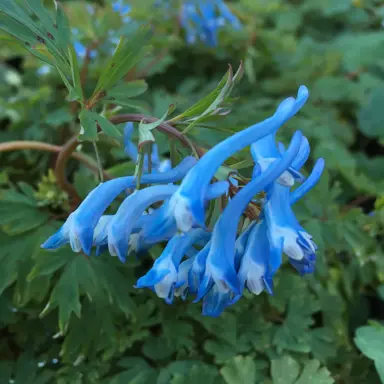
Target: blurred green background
[66,319]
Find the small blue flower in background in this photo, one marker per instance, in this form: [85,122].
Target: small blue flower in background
[44,70]
[121,7]
[202,20]
[80,48]
[214,265]
[131,150]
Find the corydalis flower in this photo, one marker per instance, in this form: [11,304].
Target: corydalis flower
[188,202]
[120,227]
[79,227]
[220,263]
[284,232]
[202,19]
[130,149]
[164,276]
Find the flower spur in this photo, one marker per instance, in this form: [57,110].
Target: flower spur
[220,263]
[188,202]
[79,226]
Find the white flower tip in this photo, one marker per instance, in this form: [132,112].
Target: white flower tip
[180,208]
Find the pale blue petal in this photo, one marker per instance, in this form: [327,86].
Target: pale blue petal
[120,227]
[309,183]
[220,264]
[303,154]
[189,201]
[81,223]
[255,260]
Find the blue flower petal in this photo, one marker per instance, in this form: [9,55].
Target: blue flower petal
[79,227]
[120,227]
[220,263]
[309,183]
[188,203]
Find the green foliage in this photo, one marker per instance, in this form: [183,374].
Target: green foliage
[66,318]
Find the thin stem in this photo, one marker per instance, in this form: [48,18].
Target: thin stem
[67,150]
[98,161]
[163,127]
[40,146]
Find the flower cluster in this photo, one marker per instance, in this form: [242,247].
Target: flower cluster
[202,19]
[214,265]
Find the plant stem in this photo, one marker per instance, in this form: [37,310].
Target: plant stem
[67,150]
[163,127]
[40,146]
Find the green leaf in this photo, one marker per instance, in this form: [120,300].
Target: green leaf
[158,348]
[88,124]
[370,341]
[210,104]
[72,94]
[127,90]
[47,263]
[113,282]
[66,294]
[198,374]
[19,214]
[286,370]
[75,71]
[312,373]
[126,56]
[240,370]
[371,115]
[140,105]
[63,27]
[380,290]
[145,134]
[43,15]
[16,29]
[138,371]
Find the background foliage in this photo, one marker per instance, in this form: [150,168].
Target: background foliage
[68,319]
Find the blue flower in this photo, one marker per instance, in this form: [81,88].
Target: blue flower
[255,260]
[120,7]
[202,20]
[220,263]
[188,202]
[79,227]
[164,276]
[131,150]
[309,183]
[162,225]
[284,232]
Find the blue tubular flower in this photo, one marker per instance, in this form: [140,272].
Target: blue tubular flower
[131,150]
[162,224]
[254,262]
[188,202]
[309,183]
[228,15]
[100,235]
[163,276]
[120,227]
[241,243]
[220,264]
[203,19]
[78,228]
[285,233]
[120,7]
[196,273]
[182,286]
